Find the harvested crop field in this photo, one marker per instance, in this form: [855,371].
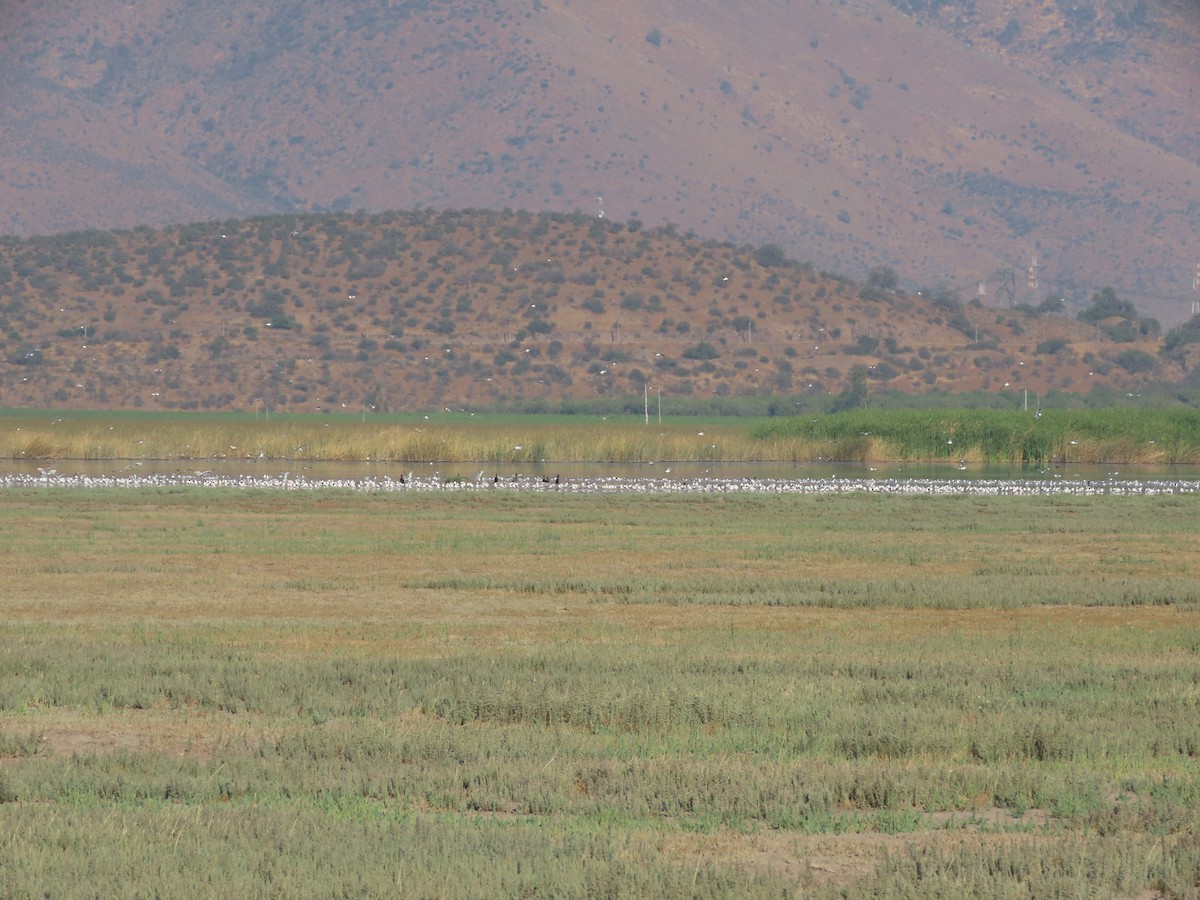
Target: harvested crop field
[497,692]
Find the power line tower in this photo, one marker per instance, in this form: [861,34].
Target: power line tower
[1033,278]
[599,207]
[1196,291]
[1006,281]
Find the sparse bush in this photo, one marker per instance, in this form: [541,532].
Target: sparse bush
[1135,361]
[702,350]
[770,255]
[1051,346]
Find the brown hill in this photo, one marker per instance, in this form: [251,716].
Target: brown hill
[954,142]
[403,311]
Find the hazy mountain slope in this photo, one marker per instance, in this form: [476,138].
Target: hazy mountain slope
[1133,62]
[412,310]
[947,139]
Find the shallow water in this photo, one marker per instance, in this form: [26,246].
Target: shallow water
[332,470]
[713,478]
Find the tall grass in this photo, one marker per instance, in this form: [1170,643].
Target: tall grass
[416,439]
[1130,436]
[1126,436]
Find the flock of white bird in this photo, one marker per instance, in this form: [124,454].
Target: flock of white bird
[979,487]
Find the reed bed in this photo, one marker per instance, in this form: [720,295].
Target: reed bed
[417,439]
[213,693]
[1126,436]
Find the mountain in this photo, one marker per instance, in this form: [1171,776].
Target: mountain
[473,309]
[1035,148]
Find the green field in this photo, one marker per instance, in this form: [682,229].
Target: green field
[208,693]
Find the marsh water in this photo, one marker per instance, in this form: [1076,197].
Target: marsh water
[318,469]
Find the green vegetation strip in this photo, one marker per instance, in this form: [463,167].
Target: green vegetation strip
[1127,436]
[214,693]
[1114,436]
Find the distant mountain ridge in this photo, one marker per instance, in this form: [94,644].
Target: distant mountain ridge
[959,143]
[476,309]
